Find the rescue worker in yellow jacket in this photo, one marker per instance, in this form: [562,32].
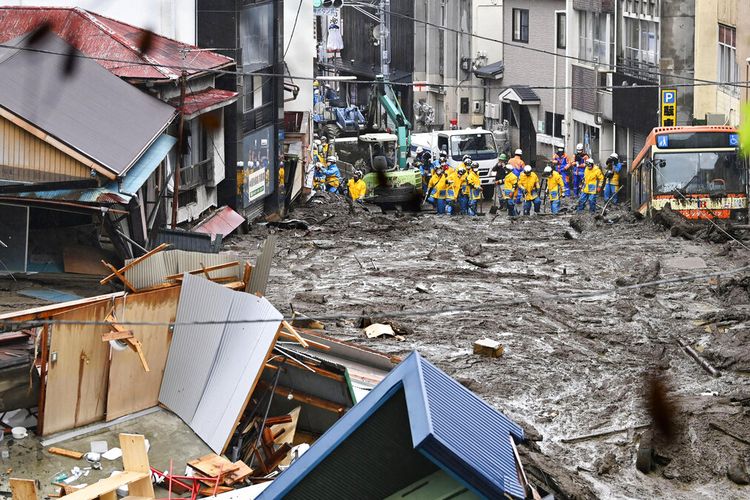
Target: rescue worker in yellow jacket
[528,184]
[453,185]
[510,188]
[357,187]
[434,178]
[612,176]
[462,189]
[555,188]
[474,184]
[593,180]
[440,192]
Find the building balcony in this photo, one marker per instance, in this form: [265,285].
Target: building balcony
[638,69]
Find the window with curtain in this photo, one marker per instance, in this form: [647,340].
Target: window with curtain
[521,25]
[728,68]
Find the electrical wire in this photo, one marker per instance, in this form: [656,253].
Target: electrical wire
[294,27]
[413,313]
[531,49]
[219,71]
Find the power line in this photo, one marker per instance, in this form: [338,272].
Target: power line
[533,49]
[740,84]
[294,27]
[418,313]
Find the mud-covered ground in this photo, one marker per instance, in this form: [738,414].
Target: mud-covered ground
[570,367]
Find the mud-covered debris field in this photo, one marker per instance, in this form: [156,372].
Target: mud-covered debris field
[572,370]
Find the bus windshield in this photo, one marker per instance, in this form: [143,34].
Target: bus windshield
[705,172]
[479,146]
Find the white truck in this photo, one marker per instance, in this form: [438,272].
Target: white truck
[475,142]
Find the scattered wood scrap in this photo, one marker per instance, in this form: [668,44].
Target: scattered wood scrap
[121,272]
[488,347]
[77,455]
[130,340]
[605,433]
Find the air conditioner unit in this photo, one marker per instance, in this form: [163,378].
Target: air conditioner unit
[478,107]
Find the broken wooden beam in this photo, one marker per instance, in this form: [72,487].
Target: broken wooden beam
[302,397]
[290,330]
[117,335]
[120,275]
[728,433]
[702,362]
[607,432]
[203,270]
[135,262]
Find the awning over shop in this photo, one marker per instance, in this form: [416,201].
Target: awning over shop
[364,71]
[114,192]
[203,101]
[492,71]
[522,94]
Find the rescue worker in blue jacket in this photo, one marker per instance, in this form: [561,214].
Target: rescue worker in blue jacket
[426,168]
[319,177]
[562,164]
[612,174]
[333,175]
[579,167]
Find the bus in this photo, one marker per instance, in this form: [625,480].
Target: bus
[697,170]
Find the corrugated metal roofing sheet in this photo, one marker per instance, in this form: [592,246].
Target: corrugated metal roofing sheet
[444,418]
[138,174]
[212,369]
[204,100]
[104,38]
[224,221]
[262,269]
[153,270]
[89,109]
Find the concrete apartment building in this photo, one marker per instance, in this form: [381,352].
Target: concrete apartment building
[722,46]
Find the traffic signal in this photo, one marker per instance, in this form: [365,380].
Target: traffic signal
[330,3]
[317,3]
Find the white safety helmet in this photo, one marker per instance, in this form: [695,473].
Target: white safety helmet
[318,165]
[589,161]
[527,168]
[614,156]
[420,150]
[547,169]
[518,152]
[508,166]
[358,174]
[579,147]
[331,159]
[317,142]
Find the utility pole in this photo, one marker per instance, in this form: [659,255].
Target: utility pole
[385,39]
[178,166]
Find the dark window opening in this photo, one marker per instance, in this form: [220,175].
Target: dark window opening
[521,25]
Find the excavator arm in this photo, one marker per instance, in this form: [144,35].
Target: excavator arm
[387,99]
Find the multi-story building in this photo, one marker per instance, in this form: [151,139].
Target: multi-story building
[591,50]
[721,50]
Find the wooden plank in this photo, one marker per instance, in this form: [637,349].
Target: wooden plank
[213,465]
[303,397]
[81,259]
[235,285]
[110,484]
[117,335]
[290,329]
[311,343]
[23,489]
[132,389]
[287,433]
[119,275]
[44,357]
[80,370]
[77,455]
[137,346]
[135,459]
[243,471]
[203,270]
[46,312]
[248,272]
[135,262]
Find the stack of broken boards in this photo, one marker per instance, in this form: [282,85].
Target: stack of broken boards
[213,467]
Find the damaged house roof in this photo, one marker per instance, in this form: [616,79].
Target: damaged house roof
[112,43]
[87,109]
[416,422]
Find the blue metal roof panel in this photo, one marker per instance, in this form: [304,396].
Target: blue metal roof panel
[469,436]
[90,195]
[446,439]
[137,175]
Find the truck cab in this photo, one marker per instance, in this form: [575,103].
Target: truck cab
[475,142]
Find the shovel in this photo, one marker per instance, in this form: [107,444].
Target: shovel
[493,208]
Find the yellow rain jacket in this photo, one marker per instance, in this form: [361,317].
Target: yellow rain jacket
[453,184]
[434,178]
[357,189]
[555,186]
[441,185]
[529,183]
[510,186]
[463,186]
[474,185]
[593,179]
